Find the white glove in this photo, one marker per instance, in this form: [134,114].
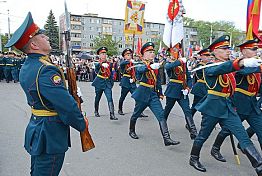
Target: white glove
[252,62]
[185,91]
[183,59]
[132,60]
[79,93]
[105,65]
[131,80]
[155,66]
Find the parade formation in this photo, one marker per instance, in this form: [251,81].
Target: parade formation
[226,92]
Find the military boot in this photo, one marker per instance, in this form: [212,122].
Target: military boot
[132,129]
[166,136]
[255,158]
[215,151]
[111,110]
[194,159]
[192,127]
[120,108]
[96,110]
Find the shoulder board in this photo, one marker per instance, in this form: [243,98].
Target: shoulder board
[45,61]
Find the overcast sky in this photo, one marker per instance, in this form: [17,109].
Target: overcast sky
[155,11]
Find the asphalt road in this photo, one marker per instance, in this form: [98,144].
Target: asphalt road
[116,154]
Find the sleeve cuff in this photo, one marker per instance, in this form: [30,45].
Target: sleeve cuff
[236,64]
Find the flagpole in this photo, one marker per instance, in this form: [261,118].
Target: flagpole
[133,44]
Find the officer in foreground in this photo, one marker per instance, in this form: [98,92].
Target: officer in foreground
[248,81]
[53,109]
[217,106]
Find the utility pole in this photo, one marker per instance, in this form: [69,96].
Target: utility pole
[8,27]
[1,34]
[211,35]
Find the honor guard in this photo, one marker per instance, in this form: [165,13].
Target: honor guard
[9,66]
[53,109]
[248,82]
[128,81]
[199,89]
[2,66]
[148,93]
[177,90]
[104,82]
[217,106]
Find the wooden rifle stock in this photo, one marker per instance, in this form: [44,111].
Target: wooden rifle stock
[86,139]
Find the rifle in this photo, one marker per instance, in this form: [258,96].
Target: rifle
[86,139]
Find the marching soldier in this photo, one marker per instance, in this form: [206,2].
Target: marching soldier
[2,65]
[128,81]
[248,81]
[148,93]
[217,106]
[53,109]
[9,64]
[178,88]
[199,89]
[104,82]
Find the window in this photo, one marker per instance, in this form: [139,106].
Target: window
[99,29]
[91,45]
[120,46]
[98,21]
[91,36]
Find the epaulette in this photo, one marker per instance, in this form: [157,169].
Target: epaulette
[45,60]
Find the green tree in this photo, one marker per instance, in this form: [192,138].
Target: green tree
[4,39]
[204,30]
[106,40]
[51,30]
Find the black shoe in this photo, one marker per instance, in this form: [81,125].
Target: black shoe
[194,161]
[113,117]
[97,114]
[133,135]
[120,112]
[143,115]
[7,81]
[217,155]
[169,142]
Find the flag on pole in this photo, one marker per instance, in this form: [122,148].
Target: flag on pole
[174,30]
[134,17]
[253,18]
